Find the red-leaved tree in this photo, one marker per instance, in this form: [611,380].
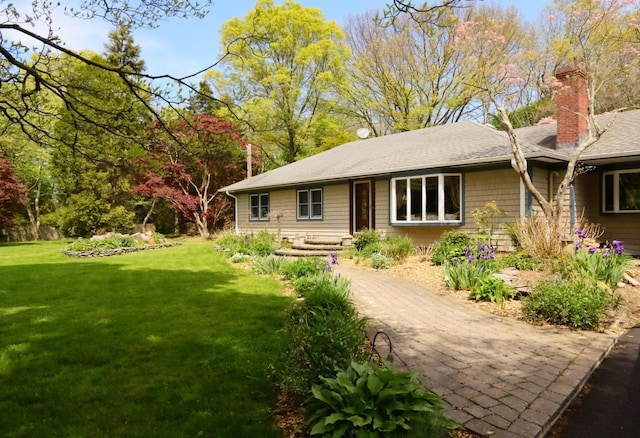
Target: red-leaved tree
[13,194]
[188,169]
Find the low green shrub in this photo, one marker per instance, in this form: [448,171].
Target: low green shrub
[368,400]
[233,244]
[262,244]
[398,248]
[490,288]
[364,238]
[451,245]
[303,267]
[371,250]
[579,304]
[520,260]
[239,258]
[322,339]
[381,261]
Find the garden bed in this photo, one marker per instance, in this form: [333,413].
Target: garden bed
[420,270]
[116,251]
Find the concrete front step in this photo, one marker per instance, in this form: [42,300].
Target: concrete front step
[290,252]
[318,246]
[323,240]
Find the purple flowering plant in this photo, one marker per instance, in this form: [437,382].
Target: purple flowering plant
[462,273]
[606,263]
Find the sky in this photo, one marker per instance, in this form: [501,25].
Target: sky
[181,47]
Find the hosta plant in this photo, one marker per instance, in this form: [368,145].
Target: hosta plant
[369,400]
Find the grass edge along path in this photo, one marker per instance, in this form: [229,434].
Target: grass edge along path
[173,342]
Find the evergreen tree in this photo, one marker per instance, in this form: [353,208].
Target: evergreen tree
[122,52]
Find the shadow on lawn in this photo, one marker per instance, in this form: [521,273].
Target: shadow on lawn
[106,344]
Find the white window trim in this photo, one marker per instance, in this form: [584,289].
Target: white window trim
[441,198]
[260,217]
[310,216]
[616,191]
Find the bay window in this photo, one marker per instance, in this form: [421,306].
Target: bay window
[426,199]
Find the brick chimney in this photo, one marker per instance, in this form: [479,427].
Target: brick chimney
[572,103]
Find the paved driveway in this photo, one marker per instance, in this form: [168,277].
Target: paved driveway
[499,377]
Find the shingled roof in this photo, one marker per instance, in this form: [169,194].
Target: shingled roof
[443,147]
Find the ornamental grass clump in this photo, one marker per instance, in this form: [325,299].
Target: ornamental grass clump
[398,248]
[268,265]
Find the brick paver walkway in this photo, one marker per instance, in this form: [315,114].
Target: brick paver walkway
[499,377]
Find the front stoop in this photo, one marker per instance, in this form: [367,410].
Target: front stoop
[316,246]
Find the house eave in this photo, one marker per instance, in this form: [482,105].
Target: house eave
[606,159]
[551,158]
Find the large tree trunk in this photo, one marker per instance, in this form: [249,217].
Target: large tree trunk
[201,224]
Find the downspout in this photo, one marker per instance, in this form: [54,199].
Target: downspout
[235,210]
[552,183]
[572,207]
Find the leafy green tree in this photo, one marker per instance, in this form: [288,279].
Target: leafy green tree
[406,76]
[282,64]
[99,164]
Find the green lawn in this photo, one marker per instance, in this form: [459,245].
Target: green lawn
[171,342]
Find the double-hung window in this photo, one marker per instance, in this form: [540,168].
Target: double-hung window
[621,191]
[310,204]
[259,207]
[426,199]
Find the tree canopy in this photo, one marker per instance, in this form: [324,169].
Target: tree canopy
[30,45]
[281,71]
[188,175]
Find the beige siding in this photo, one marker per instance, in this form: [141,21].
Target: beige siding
[283,221]
[501,186]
